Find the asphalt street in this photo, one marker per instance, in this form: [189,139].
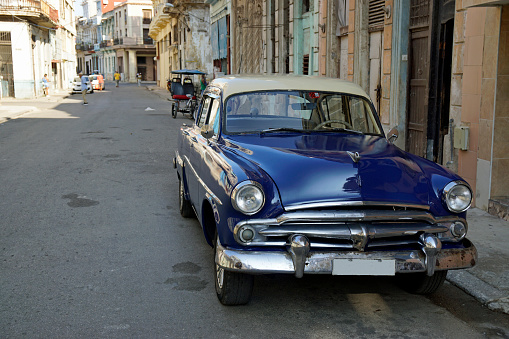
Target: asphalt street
[92,245]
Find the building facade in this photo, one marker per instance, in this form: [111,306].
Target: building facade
[220,36]
[113,36]
[181,31]
[40,34]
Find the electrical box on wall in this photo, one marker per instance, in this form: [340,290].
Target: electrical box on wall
[461,134]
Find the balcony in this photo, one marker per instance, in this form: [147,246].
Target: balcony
[106,43]
[40,12]
[128,41]
[160,20]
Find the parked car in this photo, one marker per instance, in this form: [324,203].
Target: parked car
[76,85]
[294,174]
[97,81]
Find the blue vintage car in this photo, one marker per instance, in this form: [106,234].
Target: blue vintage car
[293,174]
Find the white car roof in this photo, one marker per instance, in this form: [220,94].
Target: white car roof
[234,84]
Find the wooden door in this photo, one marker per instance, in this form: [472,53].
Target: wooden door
[417,115]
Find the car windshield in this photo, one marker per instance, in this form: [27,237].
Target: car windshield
[298,112]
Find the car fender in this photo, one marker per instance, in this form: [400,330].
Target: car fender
[237,169]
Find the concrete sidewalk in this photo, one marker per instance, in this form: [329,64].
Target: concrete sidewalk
[488,281]
[11,108]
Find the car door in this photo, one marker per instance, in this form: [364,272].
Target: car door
[194,138]
[209,169]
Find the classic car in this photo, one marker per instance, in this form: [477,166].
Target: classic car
[294,174]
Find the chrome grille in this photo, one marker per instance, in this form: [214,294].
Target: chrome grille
[354,230]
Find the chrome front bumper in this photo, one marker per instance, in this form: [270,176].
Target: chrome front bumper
[298,260]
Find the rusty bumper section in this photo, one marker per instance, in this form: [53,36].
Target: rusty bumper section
[409,261]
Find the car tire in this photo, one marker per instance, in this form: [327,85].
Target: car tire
[232,288]
[421,283]
[173,111]
[185,207]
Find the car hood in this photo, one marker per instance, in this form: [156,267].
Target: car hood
[317,170]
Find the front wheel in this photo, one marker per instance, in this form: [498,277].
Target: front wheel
[421,283]
[173,111]
[232,288]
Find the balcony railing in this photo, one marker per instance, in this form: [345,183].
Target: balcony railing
[147,21]
[41,7]
[107,43]
[133,41]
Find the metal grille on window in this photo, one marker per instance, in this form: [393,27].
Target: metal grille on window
[6,70]
[419,13]
[376,15]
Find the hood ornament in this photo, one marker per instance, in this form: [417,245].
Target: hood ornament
[354,155]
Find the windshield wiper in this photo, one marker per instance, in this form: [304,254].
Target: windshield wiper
[340,130]
[283,129]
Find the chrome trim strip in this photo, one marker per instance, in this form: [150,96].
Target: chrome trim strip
[352,216]
[257,262]
[293,207]
[374,232]
[207,189]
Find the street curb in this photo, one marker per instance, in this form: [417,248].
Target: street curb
[15,115]
[488,295]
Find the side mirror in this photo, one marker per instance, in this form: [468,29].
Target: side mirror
[392,135]
[207,132]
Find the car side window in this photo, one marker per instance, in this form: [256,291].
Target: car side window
[204,112]
[213,119]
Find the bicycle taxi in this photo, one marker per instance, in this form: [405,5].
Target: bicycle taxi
[183,92]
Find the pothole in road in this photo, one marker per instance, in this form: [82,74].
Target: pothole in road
[78,201]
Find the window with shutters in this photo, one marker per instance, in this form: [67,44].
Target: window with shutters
[147,16]
[305,64]
[376,15]
[305,6]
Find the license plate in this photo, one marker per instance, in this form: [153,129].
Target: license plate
[363,267]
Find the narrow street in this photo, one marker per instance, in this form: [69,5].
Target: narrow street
[92,245]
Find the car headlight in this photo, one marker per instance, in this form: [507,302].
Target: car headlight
[457,196]
[248,197]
